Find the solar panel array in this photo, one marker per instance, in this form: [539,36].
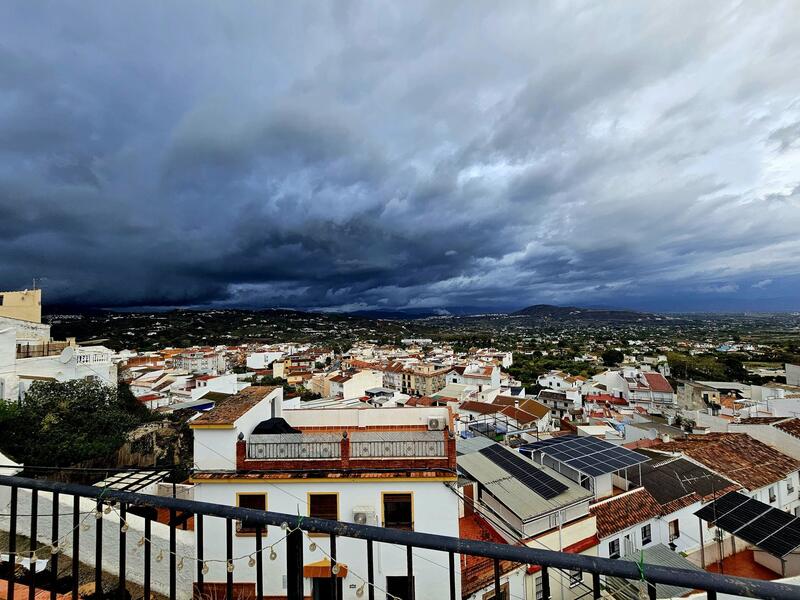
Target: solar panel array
[588,455]
[755,522]
[520,469]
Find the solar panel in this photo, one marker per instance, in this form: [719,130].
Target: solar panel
[783,541]
[765,526]
[722,505]
[757,523]
[531,476]
[742,515]
[589,455]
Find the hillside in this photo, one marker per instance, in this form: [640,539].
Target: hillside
[574,313]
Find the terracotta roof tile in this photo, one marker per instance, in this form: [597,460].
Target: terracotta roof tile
[484,408]
[658,383]
[792,427]
[623,511]
[736,456]
[227,411]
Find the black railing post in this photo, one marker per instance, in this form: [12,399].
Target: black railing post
[229,559]
[596,586]
[98,550]
[259,565]
[123,526]
[76,543]
[410,572]
[147,529]
[33,542]
[545,584]
[451,559]
[497,578]
[55,553]
[370,572]
[294,565]
[12,544]
[172,551]
[200,565]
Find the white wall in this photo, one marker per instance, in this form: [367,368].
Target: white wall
[435,511]
[134,570]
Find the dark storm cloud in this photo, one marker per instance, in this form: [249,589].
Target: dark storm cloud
[419,155]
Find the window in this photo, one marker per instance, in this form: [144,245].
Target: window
[539,590]
[398,512]
[613,549]
[789,486]
[249,500]
[647,534]
[674,530]
[1,299]
[503,593]
[772,493]
[323,506]
[575,578]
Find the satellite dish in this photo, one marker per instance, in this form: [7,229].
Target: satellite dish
[67,354]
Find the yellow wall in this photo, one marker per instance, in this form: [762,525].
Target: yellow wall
[26,306]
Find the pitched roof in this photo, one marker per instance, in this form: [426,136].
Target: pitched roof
[658,383]
[537,409]
[736,456]
[484,408]
[227,411]
[519,415]
[792,427]
[623,511]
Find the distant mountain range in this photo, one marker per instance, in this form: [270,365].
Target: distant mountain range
[574,313]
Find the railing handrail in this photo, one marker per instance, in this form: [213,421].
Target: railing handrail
[692,579]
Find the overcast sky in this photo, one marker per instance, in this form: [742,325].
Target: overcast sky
[397,155]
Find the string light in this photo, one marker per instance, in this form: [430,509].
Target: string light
[335,569]
[179,566]
[230,566]
[252,562]
[312,547]
[124,527]
[140,542]
[204,570]
[98,514]
[272,554]
[160,556]
[107,510]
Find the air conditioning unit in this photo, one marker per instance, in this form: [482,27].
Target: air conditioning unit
[436,424]
[364,515]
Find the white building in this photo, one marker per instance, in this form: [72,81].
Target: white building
[237,437]
[258,361]
[18,370]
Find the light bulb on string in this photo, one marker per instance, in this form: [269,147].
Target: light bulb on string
[140,542]
[124,527]
[284,526]
[179,566]
[230,566]
[160,556]
[360,591]
[272,554]
[85,526]
[252,562]
[312,547]
[107,510]
[54,549]
[335,569]
[204,570]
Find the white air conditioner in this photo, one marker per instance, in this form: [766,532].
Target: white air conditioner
[364,515]
[435,424]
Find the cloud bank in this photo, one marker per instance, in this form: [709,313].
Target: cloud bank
[412,155]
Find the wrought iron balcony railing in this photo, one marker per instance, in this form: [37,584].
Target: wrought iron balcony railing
[118,505]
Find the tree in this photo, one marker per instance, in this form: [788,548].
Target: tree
[62,423]
[612,357]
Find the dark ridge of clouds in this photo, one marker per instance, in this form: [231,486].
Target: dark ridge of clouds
[372,155]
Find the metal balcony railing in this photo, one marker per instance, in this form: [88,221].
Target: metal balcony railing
[113,502]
